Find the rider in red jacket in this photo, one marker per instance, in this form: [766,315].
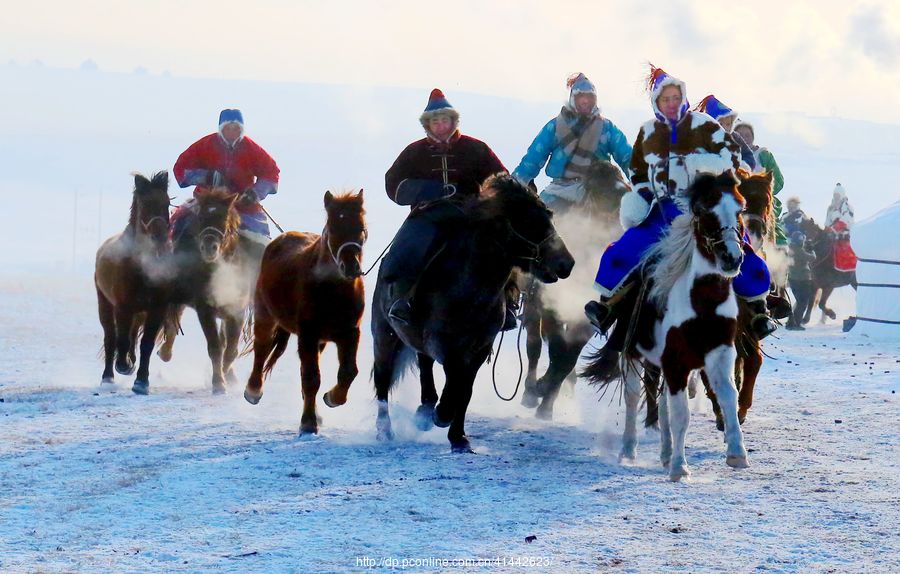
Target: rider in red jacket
[244,167]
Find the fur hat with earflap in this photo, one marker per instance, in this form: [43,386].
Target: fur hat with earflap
[657,80]
[438,105]
[228,116]
[580,84]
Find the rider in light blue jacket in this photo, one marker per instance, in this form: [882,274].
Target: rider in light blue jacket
[571,141]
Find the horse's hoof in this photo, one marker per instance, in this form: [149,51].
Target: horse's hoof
[164,354]
[627,456]
[742,418]
[124,368]
[831,314]
[231,378]
[737,461]
[462,446]
[108,380]
[529,399]
[665,462]
[678,472]
[438,421]
[218,388]
[720,425]
[331,402]
[141,388]
[251,397]
[545,414]
[385,434]
[425,417]
[307,430]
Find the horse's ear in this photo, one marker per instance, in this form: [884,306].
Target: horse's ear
[140,182]
[328,199]
[769,176]
[360,194]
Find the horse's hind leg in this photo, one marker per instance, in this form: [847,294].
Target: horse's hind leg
[632,400]
[679,418]
[564,348]
[711,395]
[108,322]
[171,324]
[136,322]
[823,304]
[231,327]
[460,378]
[752,364]
[310,379]
[719,367]
[429,396]
[269,343]
[651,393]
[347,347]
[387,350]
[124,320]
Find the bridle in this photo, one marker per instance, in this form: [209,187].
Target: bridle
[711,242]
[336,257]
[535,246]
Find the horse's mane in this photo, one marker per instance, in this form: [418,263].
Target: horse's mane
[160,181]
[497,192]
[671,257]
[223,195]
[758,188]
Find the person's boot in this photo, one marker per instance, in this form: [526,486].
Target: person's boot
[761,324]
[779,306]
[597,313]
[510,320]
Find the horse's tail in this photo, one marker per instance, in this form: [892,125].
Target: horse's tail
[280,338]
[247,334]
[602,369]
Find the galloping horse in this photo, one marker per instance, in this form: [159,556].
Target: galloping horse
[311,285]
[760,224]
[460,301]
[130,280]
[688,320]
[824,275]
[212,277]
[593,222]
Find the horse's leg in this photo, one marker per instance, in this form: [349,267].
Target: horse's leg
[387,350]
[347,347]
[651,392]
[563,351]
[679,418]
[665,431]
[632,402]
[173,320]
[719,366]
[823,304]
[461,377]
[207,317]
[533,345]
[269,343]
[310,379]
[429,396]
[232,327]
[124,320]
[108,321]
[752,364]
[810,305]
[136,322]
[711,395]
[152,324]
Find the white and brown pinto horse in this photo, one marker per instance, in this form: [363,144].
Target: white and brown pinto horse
[688,319]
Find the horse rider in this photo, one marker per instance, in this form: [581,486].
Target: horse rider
[794,218]
[839,217]
[572,141]
[765,162]
[246,169]
[670,150]
[432,176]
[717,110]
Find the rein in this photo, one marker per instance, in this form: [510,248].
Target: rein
[336,257]
[523,302]
[536,247]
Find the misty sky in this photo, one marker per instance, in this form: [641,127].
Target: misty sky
[818,57]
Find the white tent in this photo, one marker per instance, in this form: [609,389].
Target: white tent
[876,242]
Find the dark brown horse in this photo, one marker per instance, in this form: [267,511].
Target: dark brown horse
[460,301]
[587,225]
[825,277]
[130,277]
[760,224]
[212,277]
[311,285]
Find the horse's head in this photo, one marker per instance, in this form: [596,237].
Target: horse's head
[150,207]
[716,206]
[534,244]
[757,192]
[345,231]
[604,186]
[216,225]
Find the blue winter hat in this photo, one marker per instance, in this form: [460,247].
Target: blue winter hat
[580,84]
[656,81]
[716,109]
[438,105]
[231,117]
[798,237]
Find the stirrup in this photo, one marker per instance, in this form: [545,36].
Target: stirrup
[597,313]
[400,311]
[762,325]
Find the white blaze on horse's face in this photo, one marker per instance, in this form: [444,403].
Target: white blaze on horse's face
[728,249]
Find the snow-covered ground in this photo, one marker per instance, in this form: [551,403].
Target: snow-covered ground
[182,481]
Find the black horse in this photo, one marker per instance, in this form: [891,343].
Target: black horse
[824,275]
[594,222]
[460,301]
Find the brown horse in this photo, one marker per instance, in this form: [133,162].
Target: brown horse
[760,225]
[130,274]
[825,277]
[311,285]
[211,276]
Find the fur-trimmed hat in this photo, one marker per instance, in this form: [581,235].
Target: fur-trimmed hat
[745,124]
[438,105]
[229,116]
[580,84]
[659,79]
[715,108]
[793,200]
